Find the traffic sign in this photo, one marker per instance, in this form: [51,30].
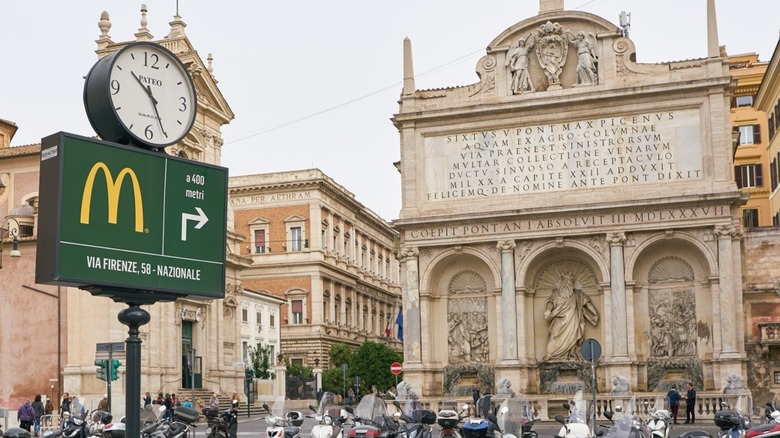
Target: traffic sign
[114,216]
[396,368]
[591,350]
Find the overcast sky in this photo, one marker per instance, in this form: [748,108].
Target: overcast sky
[314,83]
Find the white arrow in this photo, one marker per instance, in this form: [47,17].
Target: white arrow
[200,217]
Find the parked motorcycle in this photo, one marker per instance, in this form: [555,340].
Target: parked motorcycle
[223,425]
[417,424]
[281,425]
[449,421]
[330,417]
[76,426]
[732,423]
[371,419]
[150,420]
[516,418]
[99,420]
[625,424]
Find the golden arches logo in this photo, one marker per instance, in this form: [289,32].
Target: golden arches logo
[113,188]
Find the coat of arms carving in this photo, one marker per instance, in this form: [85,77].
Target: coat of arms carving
[551,49]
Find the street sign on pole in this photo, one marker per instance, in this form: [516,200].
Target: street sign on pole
[396,368]
[118,217]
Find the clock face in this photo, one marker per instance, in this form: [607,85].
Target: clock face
[142,94]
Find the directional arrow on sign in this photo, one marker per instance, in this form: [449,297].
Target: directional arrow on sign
[200,217]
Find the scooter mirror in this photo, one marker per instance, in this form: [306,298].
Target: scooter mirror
[492,418]
[560,419]
[267,409]
[618,408]
[465,407]
[396,404]
[504,410]
[346,408]
[566,406]
[608,415]
[724,405]
[312,408]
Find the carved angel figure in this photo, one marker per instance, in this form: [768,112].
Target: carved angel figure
[587,61]
[517,60]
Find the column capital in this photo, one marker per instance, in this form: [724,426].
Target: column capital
[506,245]
[728,231]
[408,252]
[616,239]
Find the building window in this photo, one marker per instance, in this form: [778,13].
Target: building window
[244,315]
[296,239]
[744,101]
[259,317]
[296,362]
[749,175]
[776,220]
[297,311]
[749,134]
[750,217]
[776,377]
[272,320]
[260,242]
[245,351]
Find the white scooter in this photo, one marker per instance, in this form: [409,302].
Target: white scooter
[281,425]
[576,425]
[659,424]
[330,417]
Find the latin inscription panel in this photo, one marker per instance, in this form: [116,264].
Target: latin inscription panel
[592,154]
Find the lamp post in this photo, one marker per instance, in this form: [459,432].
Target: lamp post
[10,232]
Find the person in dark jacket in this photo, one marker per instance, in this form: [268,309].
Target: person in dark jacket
[690,405]
[26,416]
[39,410]
[674,402]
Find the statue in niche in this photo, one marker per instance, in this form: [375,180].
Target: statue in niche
[587,61]
[566,312]
[517,60]
[735,384]
[620,385]
[551,50]
[504,388]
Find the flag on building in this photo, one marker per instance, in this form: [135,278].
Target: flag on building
[399,321]
[387,329]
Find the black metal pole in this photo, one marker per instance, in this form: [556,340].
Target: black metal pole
[108,377]
[133,317]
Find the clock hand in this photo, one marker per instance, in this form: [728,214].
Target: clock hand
[154,104]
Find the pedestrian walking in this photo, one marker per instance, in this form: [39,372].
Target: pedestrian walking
[39,411]
[26,416]
[48,411]
[690,405]
[674,402]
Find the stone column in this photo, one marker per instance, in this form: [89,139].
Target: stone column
[617,276]
[508,300]
[332,303]
[728,304]
[410,282]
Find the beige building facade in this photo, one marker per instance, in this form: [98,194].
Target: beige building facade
[571,193]
[329,258]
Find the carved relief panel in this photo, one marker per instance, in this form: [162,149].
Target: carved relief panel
[672,308]
[467,319]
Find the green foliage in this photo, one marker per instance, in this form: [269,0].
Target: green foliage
[299,371]
[333,380]
[261,360]
[340,353]
[372,363]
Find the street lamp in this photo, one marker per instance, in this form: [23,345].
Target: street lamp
[10,232]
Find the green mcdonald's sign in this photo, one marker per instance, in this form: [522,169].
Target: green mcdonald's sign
[114,216]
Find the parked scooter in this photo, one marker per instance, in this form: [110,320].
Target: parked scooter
[281,425]
[732,423]
[76,426]
[416,424]
[660,422]
[516,417]
[99,420]
[449,421]
[576,425]
[330,417]
[625,424]
[371,419]
[226,423]
[179,425]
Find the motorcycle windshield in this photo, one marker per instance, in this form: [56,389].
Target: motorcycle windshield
[623,420]
[371,408]
[578,409]
[148,416]
[512,413]
[327,402]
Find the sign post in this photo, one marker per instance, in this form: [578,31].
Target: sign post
[100,349]
[396,369]
[591,351]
